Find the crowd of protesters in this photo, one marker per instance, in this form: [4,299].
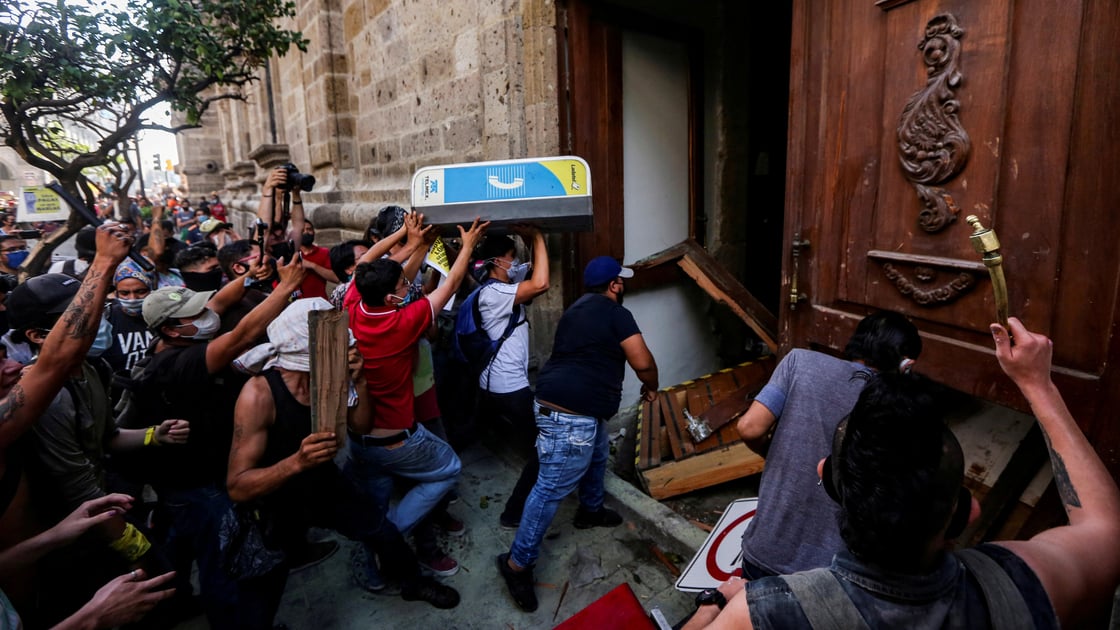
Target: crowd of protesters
[156,421]
[157,410]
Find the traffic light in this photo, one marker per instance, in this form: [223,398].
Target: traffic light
[155,161]
[167,164]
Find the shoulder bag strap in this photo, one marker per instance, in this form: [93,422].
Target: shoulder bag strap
[824,601]
[1006,606]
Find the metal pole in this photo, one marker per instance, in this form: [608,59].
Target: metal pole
[139,166]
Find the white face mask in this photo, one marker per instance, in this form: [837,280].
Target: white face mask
[207,325]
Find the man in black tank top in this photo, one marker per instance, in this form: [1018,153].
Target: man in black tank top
[286,470]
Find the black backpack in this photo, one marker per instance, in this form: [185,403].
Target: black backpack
[471,344]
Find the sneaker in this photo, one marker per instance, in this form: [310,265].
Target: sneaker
[449,524]
[440,564]
[431,591]
[519,583]
[509,522]
[363,569]
[311,554]
[604,517]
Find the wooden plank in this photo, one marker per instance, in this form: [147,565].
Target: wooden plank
[725,288]
[641,441]
[329,341]
[702,470]
[672,429]
[728,408]
[675,401]
[656,421]
[722,383]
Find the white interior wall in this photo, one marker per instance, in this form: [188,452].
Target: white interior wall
[655,168]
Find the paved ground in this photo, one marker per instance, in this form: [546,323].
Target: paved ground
[325,596]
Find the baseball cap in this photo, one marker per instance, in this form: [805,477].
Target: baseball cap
[40,300]
[173,302]
[210,225]
[603,269]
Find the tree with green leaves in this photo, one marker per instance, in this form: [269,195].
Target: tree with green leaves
[98,68]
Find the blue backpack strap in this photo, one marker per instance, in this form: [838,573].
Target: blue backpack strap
[824,601]
[1006,606]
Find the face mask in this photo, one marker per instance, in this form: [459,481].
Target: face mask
[207,326]
[307,240]
[15,259]
[104,339]
[202,280]
[131,307]
[401,302]
[518,272]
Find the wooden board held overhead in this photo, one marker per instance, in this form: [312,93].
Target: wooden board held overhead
[330,378]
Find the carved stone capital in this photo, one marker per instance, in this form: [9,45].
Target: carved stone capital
[269,156]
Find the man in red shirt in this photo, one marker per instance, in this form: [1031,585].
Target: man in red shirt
[385,436]
[317,262]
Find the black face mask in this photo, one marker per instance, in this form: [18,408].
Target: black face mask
[307,240]
[203,280]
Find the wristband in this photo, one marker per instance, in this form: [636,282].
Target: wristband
[297,203]
[150,437]
[132,544]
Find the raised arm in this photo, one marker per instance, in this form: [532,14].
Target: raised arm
[470,238]
[382,247]
[538,282]
[66,345]
[225,348]
[641,361]
[266,208]
[1078,564]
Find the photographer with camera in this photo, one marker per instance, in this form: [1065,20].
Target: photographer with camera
[284,210]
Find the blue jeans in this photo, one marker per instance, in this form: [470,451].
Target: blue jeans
[422,458]
[573,452]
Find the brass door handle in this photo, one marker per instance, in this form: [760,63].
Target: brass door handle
[795,250]
[985,242]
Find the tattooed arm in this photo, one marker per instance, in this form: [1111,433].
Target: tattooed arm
[1078,564]
[66,345]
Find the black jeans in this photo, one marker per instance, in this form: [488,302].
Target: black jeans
[512,414]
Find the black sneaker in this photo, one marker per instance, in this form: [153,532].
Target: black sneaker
[428,590]
[509,522]
[311,554]
[604,517]
[519,583]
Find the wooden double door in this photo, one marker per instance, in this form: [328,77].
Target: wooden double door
[906,116]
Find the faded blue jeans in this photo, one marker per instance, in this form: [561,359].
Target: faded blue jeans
[573,453]
[422,458]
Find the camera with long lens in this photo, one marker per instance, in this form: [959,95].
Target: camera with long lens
[295,179]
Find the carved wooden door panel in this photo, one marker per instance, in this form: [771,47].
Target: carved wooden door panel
[908,115]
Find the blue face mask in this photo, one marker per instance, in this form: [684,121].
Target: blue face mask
[104,339]
[518,271]
[15,259]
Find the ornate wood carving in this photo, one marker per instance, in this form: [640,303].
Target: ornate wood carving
[929,296]
[933,145]
[919,284]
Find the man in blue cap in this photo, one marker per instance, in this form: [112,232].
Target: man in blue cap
[577,391]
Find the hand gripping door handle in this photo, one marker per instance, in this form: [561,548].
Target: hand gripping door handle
[985,242]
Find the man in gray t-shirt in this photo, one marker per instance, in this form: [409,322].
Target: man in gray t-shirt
[791,422]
